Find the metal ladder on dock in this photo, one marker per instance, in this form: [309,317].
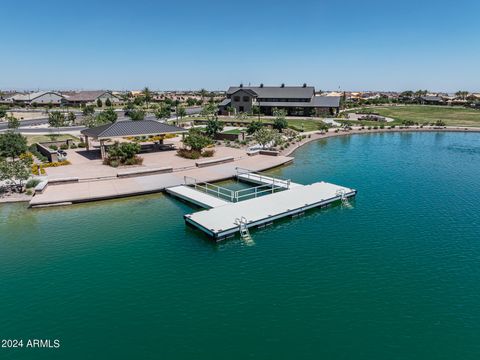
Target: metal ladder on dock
[344,198]
[244,232]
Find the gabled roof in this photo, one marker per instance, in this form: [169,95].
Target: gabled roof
[248,91]
[278,92]
[31,96]
[88,95]
[131,128]
[225,102]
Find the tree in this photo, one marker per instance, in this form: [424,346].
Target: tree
[462,94]
[14,172]
[256,110]
[280,121]
[195,140]
[12,144]
[322,126]
[181,111]
[203,94]
[3,112]
[108,116]
[90,121]
[191,101]
[136,114]
[266,137]
[214,126]
[88,110]
[209,111]
[163,112]
[71,117]
[147,96]
[99,102]
[13,122]
[56,119]
[230,110]
[123,152]
[108,102]
[254,126]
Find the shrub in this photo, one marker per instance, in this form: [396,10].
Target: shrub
[189,154]
[54,147]
[64,146]
[112,163]
[208,153]
[137,160]
[81,144]
[32,183]
[73,146]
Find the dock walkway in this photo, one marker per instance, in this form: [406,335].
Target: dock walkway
[223,221]
[196,197]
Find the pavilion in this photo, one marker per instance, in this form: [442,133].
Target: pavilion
[123,129]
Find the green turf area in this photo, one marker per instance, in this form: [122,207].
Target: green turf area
[307,124]
[452,116]
[233,131]
[32,139]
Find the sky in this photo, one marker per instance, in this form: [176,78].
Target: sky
[166,45]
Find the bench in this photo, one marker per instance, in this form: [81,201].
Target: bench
[66,180]
[253,152]
[211,162]
[144,172]
[269,152]
[41,186]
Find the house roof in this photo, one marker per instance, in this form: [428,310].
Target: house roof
[88,95]
[431,98]
[225,102]
[131,128]
[292,92]
[317,101]
[326,101]
[30,96]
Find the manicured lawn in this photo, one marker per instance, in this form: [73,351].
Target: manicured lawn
[307,124]
[453,116]
[32,139]
[233,131]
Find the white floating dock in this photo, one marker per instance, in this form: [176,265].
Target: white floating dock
[260,179]
[222,221]
[196,197]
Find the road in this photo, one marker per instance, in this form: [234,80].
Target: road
[43,121]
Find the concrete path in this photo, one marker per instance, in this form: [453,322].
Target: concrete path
[116,188]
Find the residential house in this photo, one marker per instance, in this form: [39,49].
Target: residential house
[36,98]
[296,100]
[91,98]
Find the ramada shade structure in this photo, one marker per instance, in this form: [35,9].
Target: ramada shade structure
[121,129]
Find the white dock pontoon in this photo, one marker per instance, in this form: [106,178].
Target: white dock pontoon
[236,211]
[196,197]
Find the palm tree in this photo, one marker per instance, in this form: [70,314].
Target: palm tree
[203,93]
[147,95]
[462,94]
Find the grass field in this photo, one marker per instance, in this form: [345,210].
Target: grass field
[452,116]
[307,124]
[32,139]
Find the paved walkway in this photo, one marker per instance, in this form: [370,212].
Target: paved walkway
[115,188]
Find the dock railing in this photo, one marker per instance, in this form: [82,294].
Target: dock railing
[231,195]
[262,178]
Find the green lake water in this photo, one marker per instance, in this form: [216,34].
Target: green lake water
[397,276]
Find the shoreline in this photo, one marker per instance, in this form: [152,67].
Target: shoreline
[316,135]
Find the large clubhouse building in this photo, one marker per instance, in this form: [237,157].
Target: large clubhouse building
[296,100]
